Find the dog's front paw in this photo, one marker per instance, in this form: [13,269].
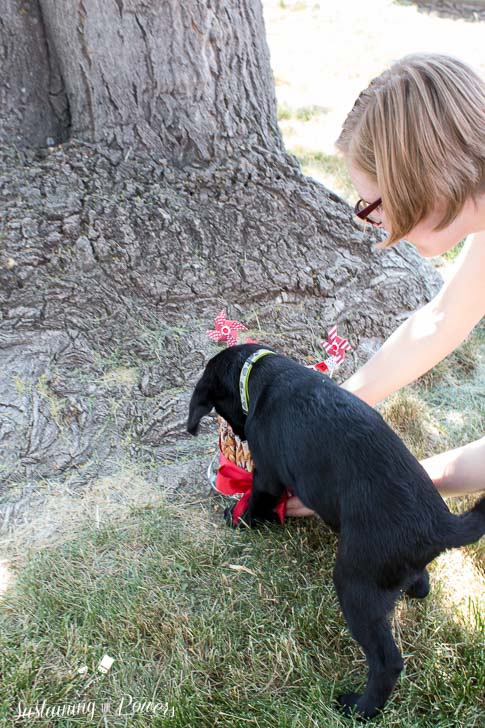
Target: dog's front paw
[237,520]
[244,519]
[349,706]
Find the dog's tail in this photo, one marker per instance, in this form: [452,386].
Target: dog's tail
[467,527]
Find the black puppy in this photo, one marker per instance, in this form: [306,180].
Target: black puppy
[342,460]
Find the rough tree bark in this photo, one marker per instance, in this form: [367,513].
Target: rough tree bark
[172,197]
[33,105]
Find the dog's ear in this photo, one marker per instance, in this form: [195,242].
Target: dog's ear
[200,405]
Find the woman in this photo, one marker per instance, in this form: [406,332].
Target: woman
[414,144]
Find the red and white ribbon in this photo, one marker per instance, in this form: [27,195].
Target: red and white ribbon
[321,366]
[336,346]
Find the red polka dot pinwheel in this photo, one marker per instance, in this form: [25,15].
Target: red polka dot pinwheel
[225,329]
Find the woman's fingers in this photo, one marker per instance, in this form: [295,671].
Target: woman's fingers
[294,507]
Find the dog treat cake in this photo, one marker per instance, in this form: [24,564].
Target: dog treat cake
[233,448]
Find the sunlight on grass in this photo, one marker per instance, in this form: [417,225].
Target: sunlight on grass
[453,392]
[293,4]
[6,576]
[463,587]
[302,113]
[57,513]
[450,255]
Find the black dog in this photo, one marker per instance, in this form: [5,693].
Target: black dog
[342,460]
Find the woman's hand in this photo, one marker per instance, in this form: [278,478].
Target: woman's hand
[294,507]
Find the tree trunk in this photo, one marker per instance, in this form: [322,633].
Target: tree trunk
[187,81]
[33,106]
[173,198]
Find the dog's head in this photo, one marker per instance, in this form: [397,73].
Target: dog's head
[218,389]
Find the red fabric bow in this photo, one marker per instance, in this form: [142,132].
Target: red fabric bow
[233,480]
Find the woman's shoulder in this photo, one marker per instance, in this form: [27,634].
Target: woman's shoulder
[466,284]
[476,241]
[472,256]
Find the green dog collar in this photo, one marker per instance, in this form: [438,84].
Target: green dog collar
[244,376]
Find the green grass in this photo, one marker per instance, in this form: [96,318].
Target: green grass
[329,169]
[263,646]
[301,113]
[450,255]
[449,399]
[293,5]
[454,391]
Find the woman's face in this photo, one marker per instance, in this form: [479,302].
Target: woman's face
[427,241]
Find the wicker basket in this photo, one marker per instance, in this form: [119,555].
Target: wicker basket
[233,448]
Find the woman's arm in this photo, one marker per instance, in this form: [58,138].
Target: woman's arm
[459,471]
[431,333]
[418,344]
[456,472]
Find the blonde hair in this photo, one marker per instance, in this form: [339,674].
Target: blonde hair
[418,131]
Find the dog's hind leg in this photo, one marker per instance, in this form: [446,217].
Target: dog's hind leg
[419,589]
[367,608]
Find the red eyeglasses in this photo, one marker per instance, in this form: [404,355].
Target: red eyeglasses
[363,211]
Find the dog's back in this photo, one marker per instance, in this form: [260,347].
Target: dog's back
[345,462]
